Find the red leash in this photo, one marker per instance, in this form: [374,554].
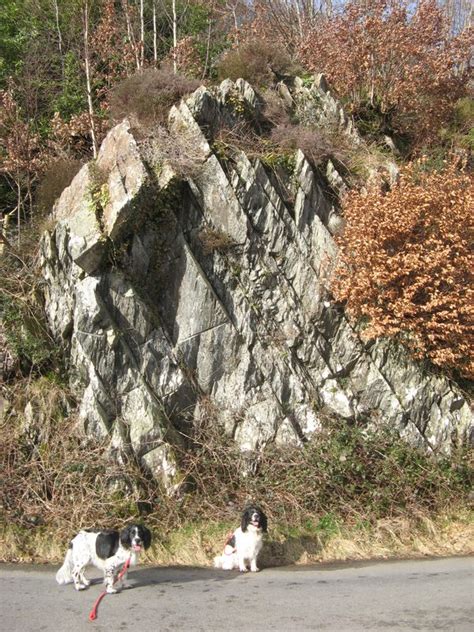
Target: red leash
[93,612]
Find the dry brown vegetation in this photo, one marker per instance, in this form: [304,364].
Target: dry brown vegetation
[274,138]
[21,312]
[158,145]
[406,264]
[147,96]
[399,71]
[56,178]
[317,144]
[355,474]
[52,475]
[258,61]
[212,239]
[363,485]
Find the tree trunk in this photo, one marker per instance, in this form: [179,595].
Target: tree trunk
[175,36]
[4,232]
[208,46]
[18,208]
[131,37]
[60,37]
[155,49]
[88,78]
[142,35]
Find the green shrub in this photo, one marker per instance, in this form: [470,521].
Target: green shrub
[25,334]
[21,311]
[344,472]
[460,134]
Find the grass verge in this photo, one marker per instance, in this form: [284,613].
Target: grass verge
[350,493]
[197,543]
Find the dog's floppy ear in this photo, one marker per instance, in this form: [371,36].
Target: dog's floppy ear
[246,518]
[263,522]
[126,537]
[146,537]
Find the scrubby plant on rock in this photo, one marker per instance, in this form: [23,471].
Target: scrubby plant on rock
[258,61]
[147,96]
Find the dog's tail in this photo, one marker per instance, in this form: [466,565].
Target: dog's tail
[218,561]
[228,560]
[64,575]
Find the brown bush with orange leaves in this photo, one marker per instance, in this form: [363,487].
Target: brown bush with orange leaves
[398,68]
[406,264]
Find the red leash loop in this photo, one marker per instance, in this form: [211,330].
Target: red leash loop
[93,612]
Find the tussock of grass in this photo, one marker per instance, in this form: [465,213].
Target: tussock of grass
[395,538]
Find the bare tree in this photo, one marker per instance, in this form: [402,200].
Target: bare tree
[208,46]
[174,18]
[459,13]
[20,155]
[87,66]
[60,37]
[155,49]
[130,32]
[291,19]
[175,35]
[142,35]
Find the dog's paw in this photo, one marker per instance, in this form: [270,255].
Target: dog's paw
[80,586]
[111,590]
[243,569]
[254,569]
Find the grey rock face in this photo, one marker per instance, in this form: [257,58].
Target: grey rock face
[152,318]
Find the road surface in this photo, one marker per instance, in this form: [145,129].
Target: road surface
[404,595]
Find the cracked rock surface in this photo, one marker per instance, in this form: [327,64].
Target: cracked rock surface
[152,320]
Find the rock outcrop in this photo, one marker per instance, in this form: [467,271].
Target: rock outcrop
[165,291]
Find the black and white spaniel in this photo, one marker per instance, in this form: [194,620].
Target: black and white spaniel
[107,550]
[244,545]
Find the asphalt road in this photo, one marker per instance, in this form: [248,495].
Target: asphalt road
[406,595]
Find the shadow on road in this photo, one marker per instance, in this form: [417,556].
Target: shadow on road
[177,575]
[289,551]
